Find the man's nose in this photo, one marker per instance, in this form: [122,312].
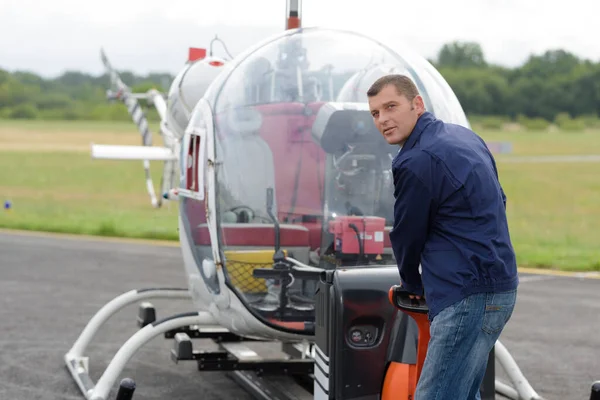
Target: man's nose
[383,118]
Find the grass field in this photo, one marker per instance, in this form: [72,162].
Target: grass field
[47,173]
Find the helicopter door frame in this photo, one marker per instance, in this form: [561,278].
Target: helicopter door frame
[210,174]
[198,154]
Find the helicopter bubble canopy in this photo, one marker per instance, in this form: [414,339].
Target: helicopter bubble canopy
[299,167]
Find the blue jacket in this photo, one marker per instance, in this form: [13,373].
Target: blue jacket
[449,216]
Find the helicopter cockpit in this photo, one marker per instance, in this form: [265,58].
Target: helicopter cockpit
[301,175]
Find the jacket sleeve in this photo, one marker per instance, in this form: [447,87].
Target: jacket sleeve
[411,225]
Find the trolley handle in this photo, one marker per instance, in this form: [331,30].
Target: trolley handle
[399,297]
[268,273]
[273,273]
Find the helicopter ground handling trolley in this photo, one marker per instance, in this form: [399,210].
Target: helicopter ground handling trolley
[369,341]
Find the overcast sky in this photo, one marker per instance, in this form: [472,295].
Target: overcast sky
[49,37]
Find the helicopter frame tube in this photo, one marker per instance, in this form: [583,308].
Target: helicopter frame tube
[78,364]
[232,354]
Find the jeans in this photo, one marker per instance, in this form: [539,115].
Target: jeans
[462,335]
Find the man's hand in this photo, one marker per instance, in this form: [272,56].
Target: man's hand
[413,296]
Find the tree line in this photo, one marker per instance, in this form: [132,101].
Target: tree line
[555,86]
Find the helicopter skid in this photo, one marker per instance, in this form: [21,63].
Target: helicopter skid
[78,364]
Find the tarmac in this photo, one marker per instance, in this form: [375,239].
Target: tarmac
[51,285]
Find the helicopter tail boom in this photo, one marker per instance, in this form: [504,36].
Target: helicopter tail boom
[118,152]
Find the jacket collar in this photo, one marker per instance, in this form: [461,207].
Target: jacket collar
[424,120]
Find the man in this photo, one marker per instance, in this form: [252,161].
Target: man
[449,218]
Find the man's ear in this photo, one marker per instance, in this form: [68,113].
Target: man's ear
[419,104]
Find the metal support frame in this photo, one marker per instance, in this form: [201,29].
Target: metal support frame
[232,355]
[225,361]
[218,334]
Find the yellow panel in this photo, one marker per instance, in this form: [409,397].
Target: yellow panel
[241,263]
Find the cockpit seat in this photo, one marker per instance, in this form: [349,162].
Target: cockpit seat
[299,161]
[234,236]
[247,169]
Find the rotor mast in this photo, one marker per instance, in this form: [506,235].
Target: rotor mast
[293,17]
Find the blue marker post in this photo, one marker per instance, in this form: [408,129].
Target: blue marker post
[7,205]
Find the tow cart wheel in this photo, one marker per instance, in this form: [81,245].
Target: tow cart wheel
[396,385]
[595,395]
[126,389]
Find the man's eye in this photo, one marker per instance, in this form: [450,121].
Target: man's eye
[390,106]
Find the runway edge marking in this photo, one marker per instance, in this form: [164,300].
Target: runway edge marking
[106,239]
[569,274]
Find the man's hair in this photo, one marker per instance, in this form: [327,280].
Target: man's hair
[404,86]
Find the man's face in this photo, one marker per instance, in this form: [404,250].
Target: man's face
[394,116]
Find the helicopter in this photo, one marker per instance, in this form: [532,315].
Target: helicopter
[285,206]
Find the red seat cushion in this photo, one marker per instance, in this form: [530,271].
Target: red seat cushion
[254,235]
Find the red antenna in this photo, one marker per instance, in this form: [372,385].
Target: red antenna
[293,17]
